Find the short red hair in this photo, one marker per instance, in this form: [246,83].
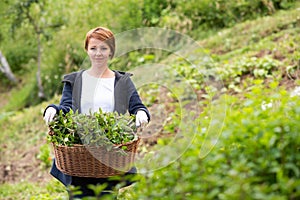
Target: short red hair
[102,34]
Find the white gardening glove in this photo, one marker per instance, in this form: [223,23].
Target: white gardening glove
[49,115]
[141,118]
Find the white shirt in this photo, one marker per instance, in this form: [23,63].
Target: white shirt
[97,93]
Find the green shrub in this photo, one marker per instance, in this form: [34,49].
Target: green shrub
[18,57]
[44,156]
[220,13]
[256,156]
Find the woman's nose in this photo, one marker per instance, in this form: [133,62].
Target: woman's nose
[99,52]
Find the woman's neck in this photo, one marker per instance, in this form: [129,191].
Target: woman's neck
[103,72]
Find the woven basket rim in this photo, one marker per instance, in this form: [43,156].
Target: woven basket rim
[83,145]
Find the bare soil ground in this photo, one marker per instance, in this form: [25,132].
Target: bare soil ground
[26,168]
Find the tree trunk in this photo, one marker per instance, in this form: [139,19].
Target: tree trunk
[5,68]
[269,5]
[41,93]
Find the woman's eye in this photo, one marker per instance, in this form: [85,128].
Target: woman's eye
[104,49]
[92,48]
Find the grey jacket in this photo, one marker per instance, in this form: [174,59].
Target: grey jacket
[125,94]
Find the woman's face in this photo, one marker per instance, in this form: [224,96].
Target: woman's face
[98,51]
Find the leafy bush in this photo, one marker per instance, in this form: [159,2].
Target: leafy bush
[258,68]
[256,156]
[19,56]
[44,156]
[229,74]
[220,13]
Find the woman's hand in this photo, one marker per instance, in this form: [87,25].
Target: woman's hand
[49,115]
[141,118]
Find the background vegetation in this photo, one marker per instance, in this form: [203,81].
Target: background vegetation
[254,47]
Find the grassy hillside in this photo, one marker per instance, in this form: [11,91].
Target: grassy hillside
[256,61]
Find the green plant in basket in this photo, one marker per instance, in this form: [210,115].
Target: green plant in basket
[119,129]
[63,129]
[96,129]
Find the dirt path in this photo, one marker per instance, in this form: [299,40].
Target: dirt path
[26,168]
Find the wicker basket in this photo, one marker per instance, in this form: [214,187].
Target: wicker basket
[96,162]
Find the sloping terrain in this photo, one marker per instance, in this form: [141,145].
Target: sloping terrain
[266,49]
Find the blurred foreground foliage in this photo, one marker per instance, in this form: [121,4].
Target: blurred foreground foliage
[257,156]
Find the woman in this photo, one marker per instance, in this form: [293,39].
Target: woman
[86,91]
